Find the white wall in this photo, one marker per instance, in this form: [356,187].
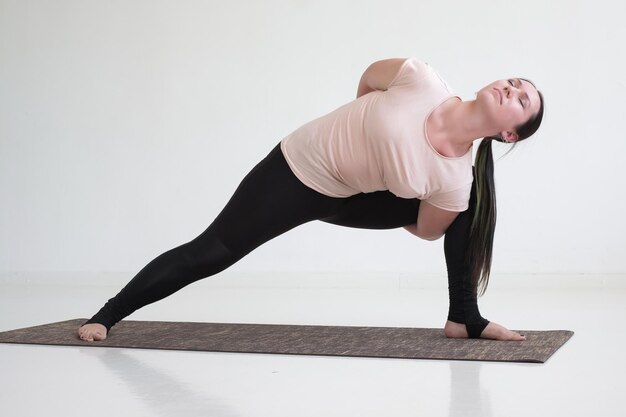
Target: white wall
[125,126]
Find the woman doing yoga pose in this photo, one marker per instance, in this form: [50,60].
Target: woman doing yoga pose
[399,155]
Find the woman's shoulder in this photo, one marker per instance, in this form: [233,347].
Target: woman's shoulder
[417,73]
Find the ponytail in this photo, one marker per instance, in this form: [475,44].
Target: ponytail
[483,199]
[484,222]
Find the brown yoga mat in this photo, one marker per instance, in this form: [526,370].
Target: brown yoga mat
[379,342]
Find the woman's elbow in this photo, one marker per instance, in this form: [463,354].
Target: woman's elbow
[430,237]
[431,233]
[412,228]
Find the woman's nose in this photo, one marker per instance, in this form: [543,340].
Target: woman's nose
[511,90]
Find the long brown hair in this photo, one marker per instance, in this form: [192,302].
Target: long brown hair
[484,221]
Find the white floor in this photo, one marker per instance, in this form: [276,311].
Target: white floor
[584,378]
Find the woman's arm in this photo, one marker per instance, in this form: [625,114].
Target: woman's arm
[379,75]
[432,222]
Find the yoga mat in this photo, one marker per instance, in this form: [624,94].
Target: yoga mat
[378,342]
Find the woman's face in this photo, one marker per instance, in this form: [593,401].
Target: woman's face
[508,104]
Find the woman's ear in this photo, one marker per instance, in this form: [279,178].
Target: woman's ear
[509,136]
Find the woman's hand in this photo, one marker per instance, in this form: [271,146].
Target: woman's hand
[492,331]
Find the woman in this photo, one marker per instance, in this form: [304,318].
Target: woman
[400,155]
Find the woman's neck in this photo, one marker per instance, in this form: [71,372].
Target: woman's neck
[459,123]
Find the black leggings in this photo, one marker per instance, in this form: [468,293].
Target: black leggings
[269,201]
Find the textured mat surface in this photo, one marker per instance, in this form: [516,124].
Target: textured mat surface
[380,342]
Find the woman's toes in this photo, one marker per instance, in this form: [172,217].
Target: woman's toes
[92,331]
[86,335]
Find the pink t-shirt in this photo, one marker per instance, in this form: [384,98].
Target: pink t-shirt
[378,142]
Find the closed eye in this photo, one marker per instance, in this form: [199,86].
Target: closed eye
[519,85]
[520,100]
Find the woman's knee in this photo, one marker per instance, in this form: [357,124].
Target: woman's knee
[203,257]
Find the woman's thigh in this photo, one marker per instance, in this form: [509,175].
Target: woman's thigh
[269,201]
[377,210]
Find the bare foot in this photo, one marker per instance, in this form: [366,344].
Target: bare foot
[92,331]
[498,332]
[455,330]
